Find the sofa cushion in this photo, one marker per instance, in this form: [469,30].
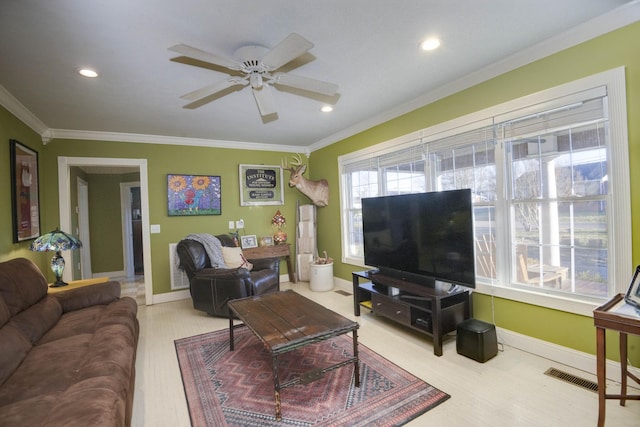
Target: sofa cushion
[27,412]
[4,312]
[36,320]
[87,403]
[21,284]
[14,349]
[100,293]
[47,368]
[95,406]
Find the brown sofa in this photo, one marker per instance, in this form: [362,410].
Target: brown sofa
[66,359]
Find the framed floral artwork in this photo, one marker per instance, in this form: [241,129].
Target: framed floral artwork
[25,197]
[193,195]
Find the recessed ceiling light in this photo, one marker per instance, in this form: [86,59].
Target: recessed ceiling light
[87,72]
[326,109]
[430,43]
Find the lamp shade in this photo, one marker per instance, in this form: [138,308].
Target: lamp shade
[55,241]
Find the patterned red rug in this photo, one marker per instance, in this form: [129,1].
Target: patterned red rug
[226,388]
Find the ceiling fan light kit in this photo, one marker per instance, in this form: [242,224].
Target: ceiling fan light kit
[257,64]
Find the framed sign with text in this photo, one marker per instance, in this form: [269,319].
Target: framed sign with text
[261,185]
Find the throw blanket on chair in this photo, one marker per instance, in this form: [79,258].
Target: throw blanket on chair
[212,246]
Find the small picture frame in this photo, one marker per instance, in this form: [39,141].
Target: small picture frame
[266,241]
[633,293]
[249,241]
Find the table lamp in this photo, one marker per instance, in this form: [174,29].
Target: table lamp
[56,241]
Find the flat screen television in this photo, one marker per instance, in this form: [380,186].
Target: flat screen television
[422,237]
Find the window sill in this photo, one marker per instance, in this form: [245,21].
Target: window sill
[552,301]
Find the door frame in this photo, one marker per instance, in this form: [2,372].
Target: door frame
[83,231]
[64,192]
[127,230]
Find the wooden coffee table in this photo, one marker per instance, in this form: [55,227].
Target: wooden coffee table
[285,321]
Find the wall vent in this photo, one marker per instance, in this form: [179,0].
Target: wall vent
[179,279]
[572,379]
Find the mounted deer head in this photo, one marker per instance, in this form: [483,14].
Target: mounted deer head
[317,191]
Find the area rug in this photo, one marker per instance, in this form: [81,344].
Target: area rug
[225,388]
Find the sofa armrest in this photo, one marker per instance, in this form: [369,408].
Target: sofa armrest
[222,273]
[265,263]
[86,296]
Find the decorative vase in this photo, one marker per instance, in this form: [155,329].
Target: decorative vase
[280,237]
[279,221]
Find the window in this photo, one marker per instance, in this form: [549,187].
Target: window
[541,169]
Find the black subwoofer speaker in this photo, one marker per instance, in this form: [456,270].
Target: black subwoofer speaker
[477,340]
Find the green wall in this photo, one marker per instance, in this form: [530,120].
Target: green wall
[163,160]
[603,53]
[12,128]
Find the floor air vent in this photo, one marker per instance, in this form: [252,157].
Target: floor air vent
[345,293]
[564,376]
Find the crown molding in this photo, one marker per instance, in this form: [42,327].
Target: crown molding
[15,107]
[169,140]
[620,17]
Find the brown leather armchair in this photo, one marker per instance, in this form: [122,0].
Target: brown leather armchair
[211,288]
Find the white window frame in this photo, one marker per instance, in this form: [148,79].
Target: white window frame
[619,217]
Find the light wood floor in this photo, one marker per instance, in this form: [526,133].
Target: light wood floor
[508,390]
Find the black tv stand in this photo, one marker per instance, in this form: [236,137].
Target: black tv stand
[427,309]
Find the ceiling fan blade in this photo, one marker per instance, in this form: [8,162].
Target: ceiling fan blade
[285,51]
[201,55]
[264,99]
[213,89]
[305,83]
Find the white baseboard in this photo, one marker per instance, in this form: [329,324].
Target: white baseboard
[109,274]
[345,285]
[171,296]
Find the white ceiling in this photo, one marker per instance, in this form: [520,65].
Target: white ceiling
[368,47]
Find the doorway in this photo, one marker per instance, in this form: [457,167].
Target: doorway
[132,228]
[64,185]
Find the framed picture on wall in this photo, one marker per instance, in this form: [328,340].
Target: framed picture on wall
[190,195]
[261,185]
[25,198]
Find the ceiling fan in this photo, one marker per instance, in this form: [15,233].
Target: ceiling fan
[257,66]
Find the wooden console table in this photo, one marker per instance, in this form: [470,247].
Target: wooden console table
[78,284]
[617,316]
[280,251]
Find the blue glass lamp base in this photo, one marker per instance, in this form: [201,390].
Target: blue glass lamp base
[57,266]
